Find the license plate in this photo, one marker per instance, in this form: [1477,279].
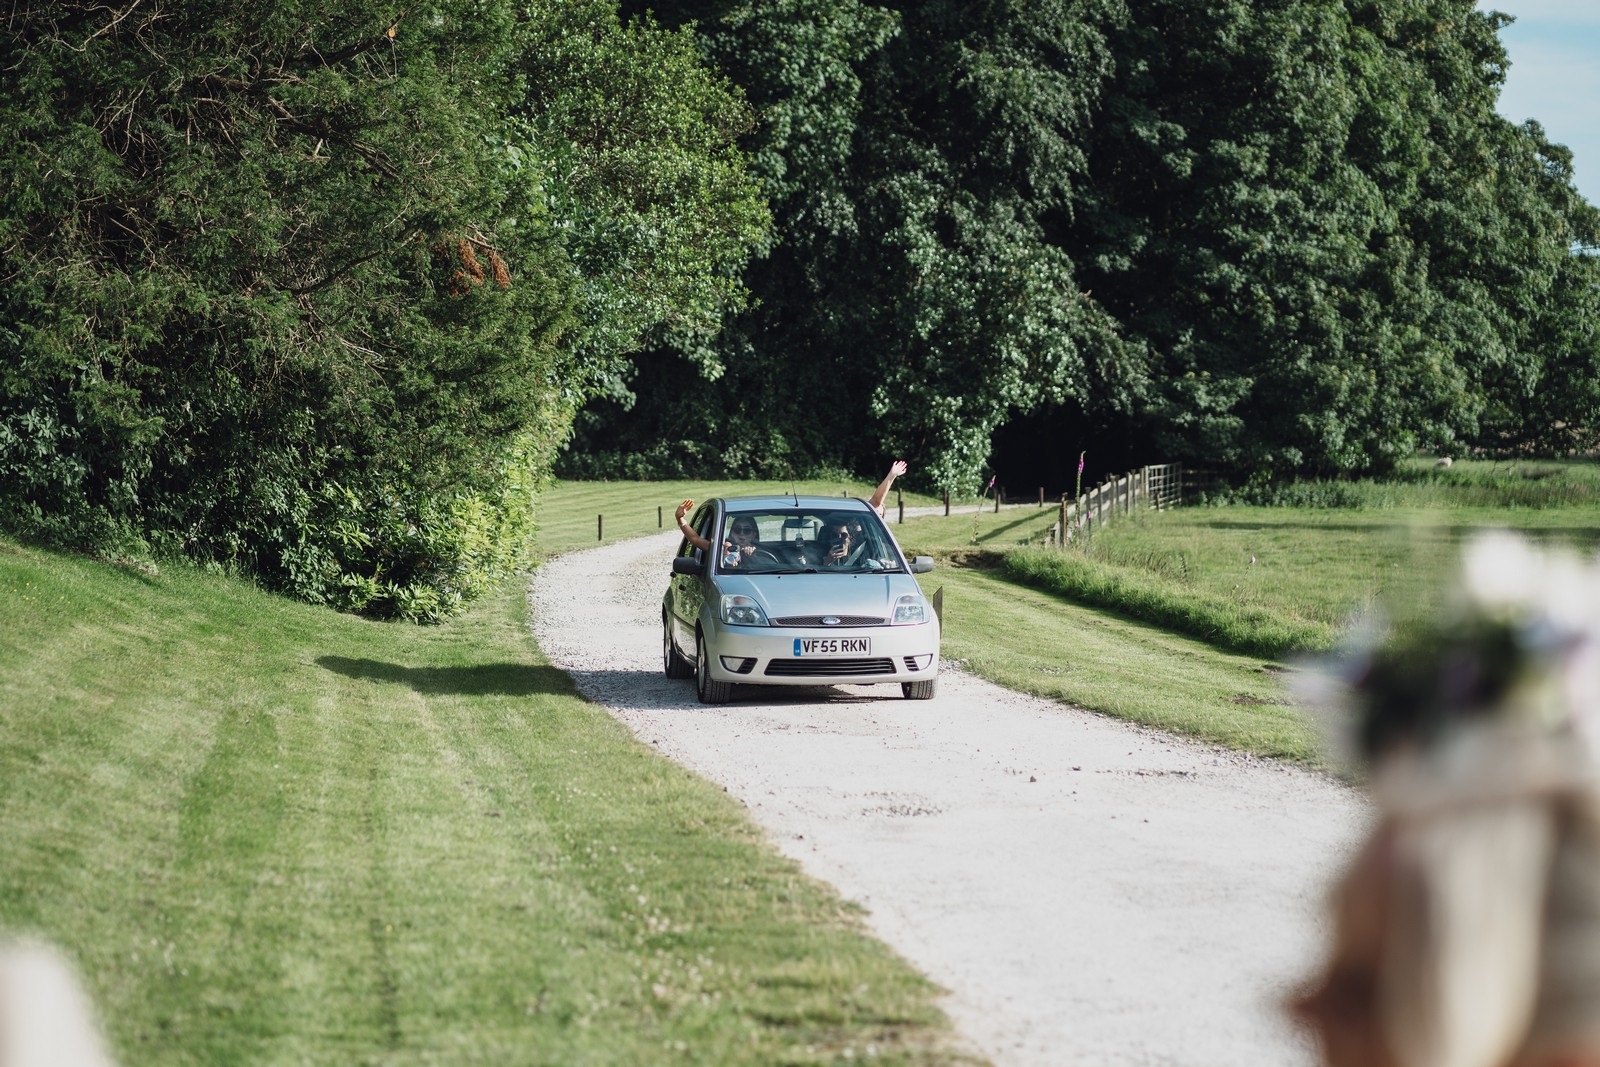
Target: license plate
[833,646]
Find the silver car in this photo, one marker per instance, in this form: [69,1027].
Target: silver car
[798,591]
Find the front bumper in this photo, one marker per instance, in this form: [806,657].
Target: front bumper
[767,655]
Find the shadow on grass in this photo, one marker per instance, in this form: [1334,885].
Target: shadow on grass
[485,679]
[1006,527]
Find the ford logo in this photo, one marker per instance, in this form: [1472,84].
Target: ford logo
[830,620]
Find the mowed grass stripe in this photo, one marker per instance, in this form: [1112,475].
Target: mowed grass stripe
[268,833]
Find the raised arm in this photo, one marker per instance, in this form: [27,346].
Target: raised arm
[880,494]
[688,531]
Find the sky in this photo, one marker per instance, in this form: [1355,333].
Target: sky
[1554,48]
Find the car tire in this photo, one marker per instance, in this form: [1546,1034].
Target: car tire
[707,688]
[925,690]
[675,663]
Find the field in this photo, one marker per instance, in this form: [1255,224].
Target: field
[268,833]
[1198,618]
[1249,583]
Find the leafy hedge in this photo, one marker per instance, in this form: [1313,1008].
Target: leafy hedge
[311,292]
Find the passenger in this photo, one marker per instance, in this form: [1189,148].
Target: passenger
[858,529]
[740,550]
[840,542]
[881,494]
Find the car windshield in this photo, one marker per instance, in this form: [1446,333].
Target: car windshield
[798,540]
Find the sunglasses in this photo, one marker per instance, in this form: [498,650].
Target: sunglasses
[751,530]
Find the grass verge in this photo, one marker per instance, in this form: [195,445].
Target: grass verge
[1180,619]
[267,833]
[1034,642]
[1251,629]
[1272,580]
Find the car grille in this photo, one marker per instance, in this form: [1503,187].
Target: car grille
[816,620]
[818,668]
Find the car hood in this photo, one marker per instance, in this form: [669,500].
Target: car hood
[788,595]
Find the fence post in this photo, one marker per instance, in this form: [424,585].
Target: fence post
[947,503]
[660,525]
[599,527]
[900,502]
[998,493]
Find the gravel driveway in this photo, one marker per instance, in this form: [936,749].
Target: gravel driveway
[1089,892]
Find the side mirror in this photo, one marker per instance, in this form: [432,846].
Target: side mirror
[922,565]
[687,565]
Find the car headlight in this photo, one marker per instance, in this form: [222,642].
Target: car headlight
[910,610]
[740,610]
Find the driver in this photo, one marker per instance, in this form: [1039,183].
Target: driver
[741,547]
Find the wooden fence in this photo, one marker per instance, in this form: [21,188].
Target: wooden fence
[1155,487]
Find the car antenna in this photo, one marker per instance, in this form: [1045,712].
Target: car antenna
[792,493]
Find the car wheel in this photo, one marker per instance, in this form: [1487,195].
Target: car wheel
[706,687]
[675,663]
[920,690]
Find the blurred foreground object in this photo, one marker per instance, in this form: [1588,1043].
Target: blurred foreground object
[1467,930]
[45,1018]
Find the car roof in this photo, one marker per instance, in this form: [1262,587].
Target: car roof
[805,503]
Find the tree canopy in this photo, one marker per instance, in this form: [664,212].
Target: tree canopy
[1278,238]
[312,290]
[320,292]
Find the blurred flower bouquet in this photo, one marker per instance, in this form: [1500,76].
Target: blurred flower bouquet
[1518,641]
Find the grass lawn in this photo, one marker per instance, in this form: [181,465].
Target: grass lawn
[1037,643]
[267,833]
[1273,580]
[1186,619]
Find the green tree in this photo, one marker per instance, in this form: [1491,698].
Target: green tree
[1276,237]
[638,144]
[1312,216]
[970,174]
[915,296]
[301,289]
[760,396]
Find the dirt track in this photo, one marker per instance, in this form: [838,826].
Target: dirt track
[1090,892]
